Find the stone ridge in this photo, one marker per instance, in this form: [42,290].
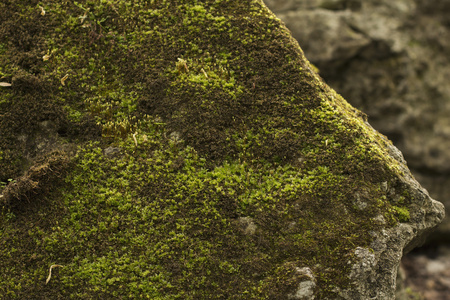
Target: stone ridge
[187,150]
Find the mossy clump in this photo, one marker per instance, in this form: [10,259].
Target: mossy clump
[211,161]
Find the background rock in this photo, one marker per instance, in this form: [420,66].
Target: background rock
[428,276]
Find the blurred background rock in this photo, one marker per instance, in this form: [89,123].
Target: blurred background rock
[390,59]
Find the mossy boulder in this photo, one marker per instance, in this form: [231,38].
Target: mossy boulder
[389,59]
[188,150]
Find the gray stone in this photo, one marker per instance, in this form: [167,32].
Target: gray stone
[111,151]
[305,288]
[247,225]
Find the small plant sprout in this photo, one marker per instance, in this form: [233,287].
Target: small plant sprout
[63,80]
[42,11]
[182,66]
[50,272]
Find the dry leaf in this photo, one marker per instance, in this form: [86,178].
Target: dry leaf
[5,84]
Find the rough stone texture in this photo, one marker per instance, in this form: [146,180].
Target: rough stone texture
[305,288]
[377,268]
[188,150]
[389,59]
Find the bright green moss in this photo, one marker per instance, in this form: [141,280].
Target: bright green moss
[402,213]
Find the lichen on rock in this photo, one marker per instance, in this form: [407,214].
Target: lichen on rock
[239,172]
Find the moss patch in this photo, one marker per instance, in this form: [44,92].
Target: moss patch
[212,161]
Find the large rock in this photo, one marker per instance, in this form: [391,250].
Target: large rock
[187,150]
[389,59]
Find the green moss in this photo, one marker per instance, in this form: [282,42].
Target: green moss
[216,118]
[402,213]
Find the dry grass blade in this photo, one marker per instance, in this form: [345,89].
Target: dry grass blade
[63,80]
[5,84]
[50,272]
[42,11]
[135,140]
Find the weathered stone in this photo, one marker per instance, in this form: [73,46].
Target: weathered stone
[111,151]
[240,172]
[305,288]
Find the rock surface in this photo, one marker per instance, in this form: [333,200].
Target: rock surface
[389,59]
[187,150]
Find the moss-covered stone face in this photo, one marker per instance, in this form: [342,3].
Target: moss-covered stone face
[212,163]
